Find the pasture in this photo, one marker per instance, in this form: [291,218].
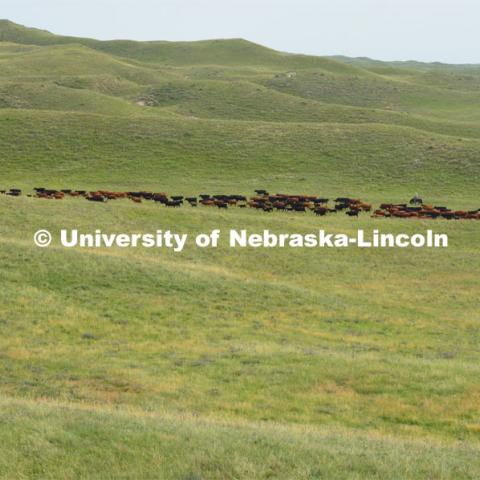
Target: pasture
[371,346]
[245,363]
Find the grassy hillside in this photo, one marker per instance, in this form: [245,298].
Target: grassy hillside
[391,93]
[191,155]
[59,96]
[246,100]
[124,363]
[295,340]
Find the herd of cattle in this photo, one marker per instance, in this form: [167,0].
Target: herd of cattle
[266,202]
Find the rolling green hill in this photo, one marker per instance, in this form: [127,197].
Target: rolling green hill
[232,80]
[188,155]
[209,52]
[123,363]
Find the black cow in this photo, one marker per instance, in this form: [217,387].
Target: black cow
[96,198]
[173,203]
[321,211]
[299,208]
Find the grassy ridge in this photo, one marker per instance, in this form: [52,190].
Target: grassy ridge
[62,60]
[59,97]
[210,52]
[384,92]
[241,100]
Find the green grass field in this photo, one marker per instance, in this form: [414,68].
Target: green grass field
[246,363]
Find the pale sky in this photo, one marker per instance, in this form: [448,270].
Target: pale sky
[425,30]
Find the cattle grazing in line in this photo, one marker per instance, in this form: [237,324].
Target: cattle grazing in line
[263,201]
[425,212]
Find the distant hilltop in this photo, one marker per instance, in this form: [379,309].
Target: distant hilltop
[233,51]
